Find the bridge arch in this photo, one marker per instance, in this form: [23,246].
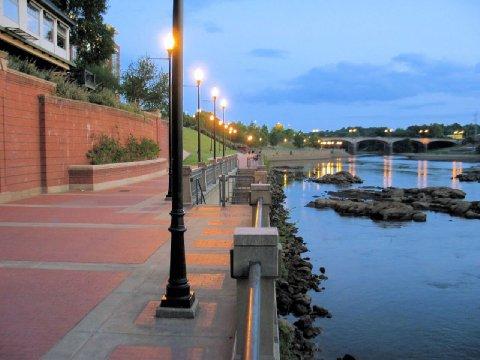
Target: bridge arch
[387,145]
[409,145]
[441,143]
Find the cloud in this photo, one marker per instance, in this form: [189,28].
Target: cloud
[269,53]
[405,76]
[212,28]
[422,106]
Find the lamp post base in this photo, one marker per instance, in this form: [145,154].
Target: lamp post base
[168,197]
[178,308]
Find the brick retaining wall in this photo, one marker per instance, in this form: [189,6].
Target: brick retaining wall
[42,135]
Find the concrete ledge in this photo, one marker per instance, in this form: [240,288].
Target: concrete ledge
[19,195]
[256,245]
[101,177]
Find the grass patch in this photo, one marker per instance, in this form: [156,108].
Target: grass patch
[190,145]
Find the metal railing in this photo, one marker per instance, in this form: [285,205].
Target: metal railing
[252,329]
[251,337]
[259,213]
[198,191]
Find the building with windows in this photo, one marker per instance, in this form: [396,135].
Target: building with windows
[113,62]
[38,30]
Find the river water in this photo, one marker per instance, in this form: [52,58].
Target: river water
[395,290]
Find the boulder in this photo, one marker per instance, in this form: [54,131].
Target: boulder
[339,178]
[394,204]
[470,175]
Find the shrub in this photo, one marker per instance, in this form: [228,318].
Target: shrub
[149,149]
[103,97]
[108,150]
[27,67]
[68,89]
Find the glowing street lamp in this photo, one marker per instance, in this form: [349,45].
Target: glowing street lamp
[352,131]
[249,138]
[215,94]
[198,75]
[178,293]
[223,104]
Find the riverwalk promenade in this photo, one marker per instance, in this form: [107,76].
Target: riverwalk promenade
[81,275]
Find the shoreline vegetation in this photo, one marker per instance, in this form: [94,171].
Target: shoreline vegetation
[296,280]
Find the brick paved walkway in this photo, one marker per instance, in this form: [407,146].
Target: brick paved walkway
[81,275]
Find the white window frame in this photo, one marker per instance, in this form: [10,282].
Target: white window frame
[17,20]
[35,6]
[43,35]
[59,26]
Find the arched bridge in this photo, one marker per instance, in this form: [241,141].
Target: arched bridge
[354,142]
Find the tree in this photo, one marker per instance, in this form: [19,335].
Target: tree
[275,136]
[94,39]
[298,140]
[104,77]
[145,86]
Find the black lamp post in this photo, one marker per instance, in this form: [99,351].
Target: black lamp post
[169,45]
[178,294]
[215,93]
[224,106]
[198,79]
[211,139]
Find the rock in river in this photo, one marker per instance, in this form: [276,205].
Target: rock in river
[340,178]
[393,204]
[470,175]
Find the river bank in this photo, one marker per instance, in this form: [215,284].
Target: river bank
[300,157]
[296,280]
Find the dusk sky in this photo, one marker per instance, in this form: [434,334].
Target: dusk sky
[321,63]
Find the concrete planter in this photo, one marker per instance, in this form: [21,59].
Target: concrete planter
[101,177]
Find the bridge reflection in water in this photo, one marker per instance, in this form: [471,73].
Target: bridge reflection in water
[422,174]
[387,171]
[457,169]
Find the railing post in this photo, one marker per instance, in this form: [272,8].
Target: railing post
[257,245]
[203,176]
[260,177]
[261,191]
[187,186]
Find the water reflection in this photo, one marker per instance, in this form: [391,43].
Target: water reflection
[388,167]
[457,169]
[328,168]
[422,174]
[387,171]
[352,165]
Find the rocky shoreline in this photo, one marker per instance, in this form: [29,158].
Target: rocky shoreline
[395,204]
[296,280]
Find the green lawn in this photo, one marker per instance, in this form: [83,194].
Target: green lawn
[190,145]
